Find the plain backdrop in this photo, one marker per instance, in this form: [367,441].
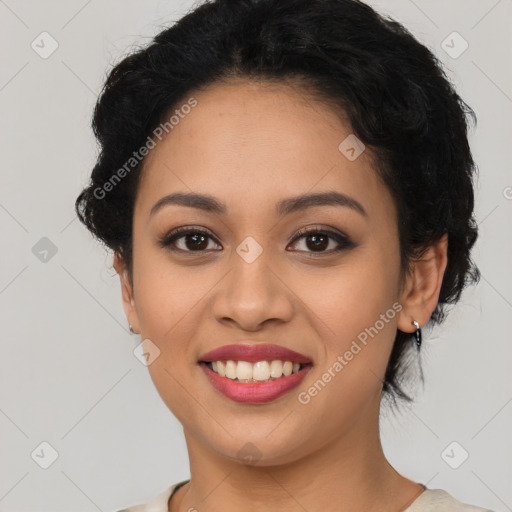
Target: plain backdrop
[69,378]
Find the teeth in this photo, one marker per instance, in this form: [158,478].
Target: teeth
[276,369]
[260,370]
[231,369]
[221,368]
[243,371]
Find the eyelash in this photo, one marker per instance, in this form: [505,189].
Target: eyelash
[343,240]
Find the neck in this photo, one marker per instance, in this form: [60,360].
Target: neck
[349,473]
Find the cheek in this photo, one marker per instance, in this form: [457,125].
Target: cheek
[166,296]
[352,296]
[356,312]
[167,300]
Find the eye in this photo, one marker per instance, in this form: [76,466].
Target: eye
[317,240]
[186,239]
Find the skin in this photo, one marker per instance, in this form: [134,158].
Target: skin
[275,142]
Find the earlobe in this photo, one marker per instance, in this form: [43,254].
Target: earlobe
[127,294]
[423,286]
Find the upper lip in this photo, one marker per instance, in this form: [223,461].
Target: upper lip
[253,353]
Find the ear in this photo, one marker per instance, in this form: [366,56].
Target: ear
[127,292]
[423,285]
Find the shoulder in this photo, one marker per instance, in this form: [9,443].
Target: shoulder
[158,503]
[437,500]
[431,500]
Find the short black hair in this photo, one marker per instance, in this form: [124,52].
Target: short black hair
[391,88]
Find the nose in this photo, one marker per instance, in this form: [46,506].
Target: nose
[253,294]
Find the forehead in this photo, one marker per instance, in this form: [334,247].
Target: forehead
[251,144]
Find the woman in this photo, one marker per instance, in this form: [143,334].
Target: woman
[287,190]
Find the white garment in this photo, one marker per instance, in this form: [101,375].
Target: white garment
[430,500]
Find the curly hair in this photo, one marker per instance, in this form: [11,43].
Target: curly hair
[392,90]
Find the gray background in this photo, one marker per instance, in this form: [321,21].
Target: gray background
[68,373]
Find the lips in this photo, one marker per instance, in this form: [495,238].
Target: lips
[268,389]
[253,353]
[255,393]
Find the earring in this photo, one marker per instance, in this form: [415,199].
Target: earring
[417,334]
[131,329]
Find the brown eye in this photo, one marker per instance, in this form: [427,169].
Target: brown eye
[188,240]
[317,241]
[322,241]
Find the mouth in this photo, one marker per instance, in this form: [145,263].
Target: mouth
[254,373]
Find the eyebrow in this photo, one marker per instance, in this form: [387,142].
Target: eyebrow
[286,206]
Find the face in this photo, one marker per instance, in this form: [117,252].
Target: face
[314,279]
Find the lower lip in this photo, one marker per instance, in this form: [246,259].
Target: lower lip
[254,392]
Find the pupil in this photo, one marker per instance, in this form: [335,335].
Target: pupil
[319,241]
[197,238]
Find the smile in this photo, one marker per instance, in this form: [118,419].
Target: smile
[254,372]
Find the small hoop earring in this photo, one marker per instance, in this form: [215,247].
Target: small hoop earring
[417,334]
[131,329]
